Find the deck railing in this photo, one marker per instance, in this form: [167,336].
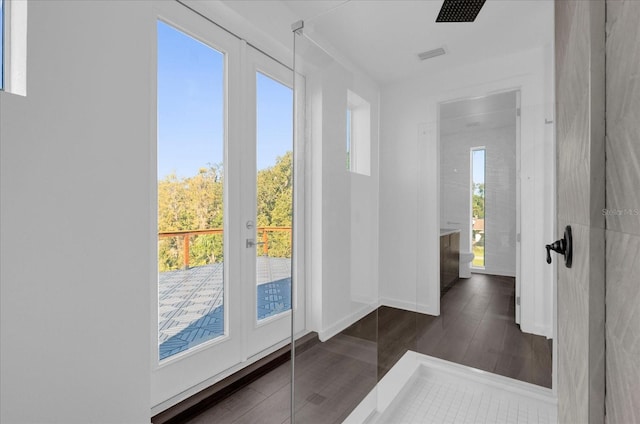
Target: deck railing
[186,234]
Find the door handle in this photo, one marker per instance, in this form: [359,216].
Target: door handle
[252,243]
[564,246]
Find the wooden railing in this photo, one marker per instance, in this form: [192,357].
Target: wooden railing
[186,234]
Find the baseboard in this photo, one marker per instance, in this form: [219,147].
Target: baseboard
[498,272]
[538,330]
[214,394]
[423,308]
[345,322]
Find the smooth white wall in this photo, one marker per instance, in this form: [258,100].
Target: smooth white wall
[343,213]
[409,180]
[500,192]
[75,184]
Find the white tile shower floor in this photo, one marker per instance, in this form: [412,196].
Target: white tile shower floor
[427,390]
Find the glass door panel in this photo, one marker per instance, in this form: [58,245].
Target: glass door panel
[190,192]
[274,200]
[197,320]
[269,203]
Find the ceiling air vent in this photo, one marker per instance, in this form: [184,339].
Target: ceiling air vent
[431,53]
[460,10]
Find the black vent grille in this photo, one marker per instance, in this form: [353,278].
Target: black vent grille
[460,10]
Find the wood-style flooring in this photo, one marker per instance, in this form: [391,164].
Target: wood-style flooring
[476,328]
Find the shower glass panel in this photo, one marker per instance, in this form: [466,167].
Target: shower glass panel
[365,326]
[337,371]
[373,246]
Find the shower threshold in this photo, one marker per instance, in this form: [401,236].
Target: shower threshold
[423,389]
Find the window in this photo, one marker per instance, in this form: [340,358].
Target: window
[348,139]
[13,46]
[191,280]
[1,44]
[358,134]
[477,205]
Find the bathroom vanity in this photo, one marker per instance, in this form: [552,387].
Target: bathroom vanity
[449,257]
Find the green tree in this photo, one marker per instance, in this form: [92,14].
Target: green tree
[478,200]
[192,203]
[197,203]
[274,202]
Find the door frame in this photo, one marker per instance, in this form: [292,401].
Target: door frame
[534,111]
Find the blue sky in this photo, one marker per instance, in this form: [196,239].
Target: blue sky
[191,102]
[478,163]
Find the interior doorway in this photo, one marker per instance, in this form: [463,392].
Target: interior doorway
[479,184]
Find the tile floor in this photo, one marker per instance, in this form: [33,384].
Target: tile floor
[436,397]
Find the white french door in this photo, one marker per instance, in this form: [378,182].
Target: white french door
[224,197]
[268,165]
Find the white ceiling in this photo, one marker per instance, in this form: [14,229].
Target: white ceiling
[383,37]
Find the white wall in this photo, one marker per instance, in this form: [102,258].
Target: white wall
[343,212]
[409,180]
[75,184]
[500,192]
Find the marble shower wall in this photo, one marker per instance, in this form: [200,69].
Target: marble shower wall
[580,137]
[623,212]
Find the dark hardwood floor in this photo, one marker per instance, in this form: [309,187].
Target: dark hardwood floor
[476,328]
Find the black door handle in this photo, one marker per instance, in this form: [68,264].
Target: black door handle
[564,246]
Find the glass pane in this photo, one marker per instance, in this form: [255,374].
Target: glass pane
[274,159]
[333,377]
[349,139]
[190,192]
[477,205]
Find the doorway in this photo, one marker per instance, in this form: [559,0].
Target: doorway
[224,205]
[479,185]
[480,191]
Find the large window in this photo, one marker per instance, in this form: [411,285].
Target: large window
[477,205]
[191,281]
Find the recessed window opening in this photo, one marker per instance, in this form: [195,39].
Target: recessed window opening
[358,134]
[1,44]
[478,205]
[13,47]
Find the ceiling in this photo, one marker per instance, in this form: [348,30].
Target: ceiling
[383,37]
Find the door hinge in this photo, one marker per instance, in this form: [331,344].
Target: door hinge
[517,111]
[518,300]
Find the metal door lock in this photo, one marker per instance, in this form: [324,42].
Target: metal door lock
[564,246]
[252,243]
